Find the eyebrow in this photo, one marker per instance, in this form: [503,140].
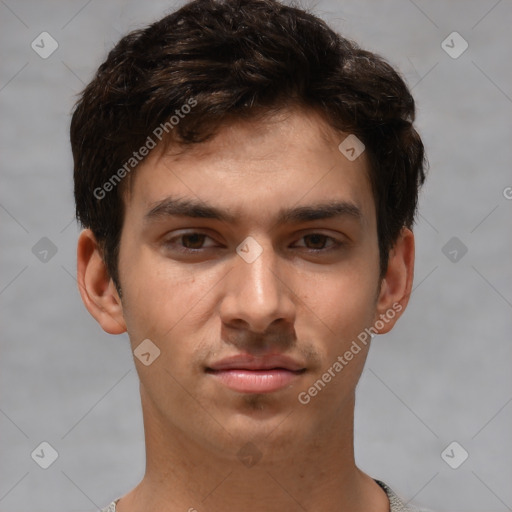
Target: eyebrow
[181,207]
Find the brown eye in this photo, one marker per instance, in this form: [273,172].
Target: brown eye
[191,243]
[193,240]
[317,241]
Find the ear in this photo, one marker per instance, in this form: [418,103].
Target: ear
[396,285]
[97,289]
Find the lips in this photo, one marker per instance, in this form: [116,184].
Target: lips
[250,374]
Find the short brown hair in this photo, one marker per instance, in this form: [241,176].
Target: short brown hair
[239,59]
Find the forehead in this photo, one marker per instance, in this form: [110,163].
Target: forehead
[253,168]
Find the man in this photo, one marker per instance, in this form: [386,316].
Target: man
[248,181]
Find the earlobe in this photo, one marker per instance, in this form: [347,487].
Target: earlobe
[396,285]
[97,289]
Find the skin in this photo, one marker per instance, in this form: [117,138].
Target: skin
[304,296]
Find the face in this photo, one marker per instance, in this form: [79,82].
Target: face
[251,261]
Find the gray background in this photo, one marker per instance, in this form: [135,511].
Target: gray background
[442,375]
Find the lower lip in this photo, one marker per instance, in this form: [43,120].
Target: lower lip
[256,381]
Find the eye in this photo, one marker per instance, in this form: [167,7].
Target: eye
[188,242]
[318,241]
[196,242]
[193,240]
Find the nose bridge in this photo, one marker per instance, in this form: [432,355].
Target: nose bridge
[257,272]
[256,293]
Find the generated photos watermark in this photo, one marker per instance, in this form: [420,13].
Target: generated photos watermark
[151,142]
[304,397]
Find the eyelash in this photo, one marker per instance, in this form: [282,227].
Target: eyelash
[335,244]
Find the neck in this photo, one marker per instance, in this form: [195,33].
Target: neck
[314,474]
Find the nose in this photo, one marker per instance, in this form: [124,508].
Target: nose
[258,294]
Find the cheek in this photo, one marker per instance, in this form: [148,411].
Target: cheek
[344,302]
[161,299]
[339,309]
[155,301]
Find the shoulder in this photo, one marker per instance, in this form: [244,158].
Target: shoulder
[395,503]
[110,508]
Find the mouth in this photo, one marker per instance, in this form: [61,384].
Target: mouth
[251,374]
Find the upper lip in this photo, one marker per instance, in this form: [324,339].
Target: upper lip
[250,362]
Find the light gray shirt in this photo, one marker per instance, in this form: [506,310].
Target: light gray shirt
[395,503]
